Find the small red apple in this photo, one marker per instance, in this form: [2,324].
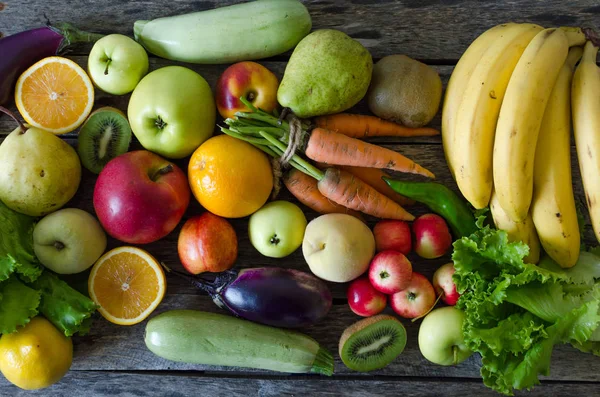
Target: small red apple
[393,235]
[207,243]
[443,284]
[390,272]
[432,237]
[250,80]
[364,299]
[139,197]
[416,299]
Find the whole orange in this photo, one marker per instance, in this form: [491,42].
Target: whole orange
[229,177]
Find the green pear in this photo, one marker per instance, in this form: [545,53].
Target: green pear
[39,172]
[328,72]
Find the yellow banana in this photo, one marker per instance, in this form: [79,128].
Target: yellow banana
[553,205]
[521,115]
[458,80]
[585,97]
[517,231]
[477,115]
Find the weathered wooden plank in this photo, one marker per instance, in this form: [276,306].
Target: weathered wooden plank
[433,29]
[211,73]
[137,384]
[115,348]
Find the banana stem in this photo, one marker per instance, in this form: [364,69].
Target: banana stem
[592,35]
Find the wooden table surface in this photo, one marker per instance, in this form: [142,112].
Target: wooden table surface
[113,360]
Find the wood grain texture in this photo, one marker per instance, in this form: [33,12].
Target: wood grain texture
[138,384]
[113,360]
[117,348]
[425,29]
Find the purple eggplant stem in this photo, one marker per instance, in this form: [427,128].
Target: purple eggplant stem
[21,50]
[273,296]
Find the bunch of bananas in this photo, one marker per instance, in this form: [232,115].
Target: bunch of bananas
[506,125]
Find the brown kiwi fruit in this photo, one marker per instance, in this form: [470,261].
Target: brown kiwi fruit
[372,343]
[405,91]
[104,135]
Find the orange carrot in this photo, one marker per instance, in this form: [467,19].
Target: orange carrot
[330,147]
[304,188]
[373,177]
[364,126]
[344,188]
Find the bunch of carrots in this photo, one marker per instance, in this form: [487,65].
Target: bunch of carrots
[355,185]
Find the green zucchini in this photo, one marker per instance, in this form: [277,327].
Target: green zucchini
[246,31]
[214,339]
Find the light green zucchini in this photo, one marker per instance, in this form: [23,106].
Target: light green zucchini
[214,339]
[246,31]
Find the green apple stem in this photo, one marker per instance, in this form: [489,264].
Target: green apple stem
[12,116]
[430,309]
[161,171]
[107,65]
[455,355]
[58,245]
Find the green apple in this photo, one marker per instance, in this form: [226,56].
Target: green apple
[277,229]
[117,63]
[441,339]
[172,111]
[68,241]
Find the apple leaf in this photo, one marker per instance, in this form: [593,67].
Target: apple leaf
[18,303]
[65,307]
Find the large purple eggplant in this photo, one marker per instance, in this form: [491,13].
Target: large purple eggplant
[20,51]
[269,295]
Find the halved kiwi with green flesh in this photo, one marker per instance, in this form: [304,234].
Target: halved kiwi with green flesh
[104,135]
[372,343]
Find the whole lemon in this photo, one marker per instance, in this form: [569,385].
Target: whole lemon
[229,177]
[36,355]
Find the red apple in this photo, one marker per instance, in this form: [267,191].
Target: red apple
[207,243]
[390,272]
[250,80]
[365,300]
[443,284]
[140,197]
[432,237]
[393,235]
[416,299]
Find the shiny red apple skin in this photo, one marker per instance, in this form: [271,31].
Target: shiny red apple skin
[416,299]
[393,235]
[390,272]
[364,299]
[443,284]
[207,243]
[432,236]
[139,197]
[246,79]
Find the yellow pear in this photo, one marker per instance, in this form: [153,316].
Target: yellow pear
[39,172]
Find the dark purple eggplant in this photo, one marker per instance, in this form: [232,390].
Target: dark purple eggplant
[21,50]
[273,296]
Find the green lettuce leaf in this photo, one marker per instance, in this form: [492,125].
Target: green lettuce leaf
[16,245]
[18,303]
[517,312]
[65,307]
